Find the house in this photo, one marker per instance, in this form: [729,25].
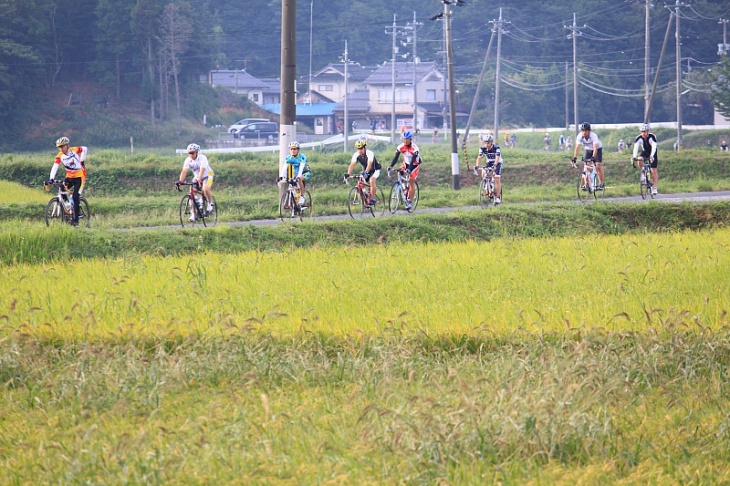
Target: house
[429,91]
[329,82]
[240,82]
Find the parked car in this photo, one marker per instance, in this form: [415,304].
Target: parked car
[267,130]
[236,127]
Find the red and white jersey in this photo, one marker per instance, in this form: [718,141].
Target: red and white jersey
[410,154]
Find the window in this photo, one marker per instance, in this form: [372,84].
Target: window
[430,95]
[255,97]
[385,96]
[325,87]
[403,95]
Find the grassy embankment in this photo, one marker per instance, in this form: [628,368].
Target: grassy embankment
[126,191]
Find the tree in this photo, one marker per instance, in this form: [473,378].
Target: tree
[720,90]
[175,34]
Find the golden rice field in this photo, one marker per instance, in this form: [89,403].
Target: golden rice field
[628,282]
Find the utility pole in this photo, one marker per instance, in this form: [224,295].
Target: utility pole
[647,115]
[678,40]
[452,106]
[311,18]
[394,31]
[498,25]
[346,127]
[414,28]
[574,33]
[287,130]
[476,93]
[722,51]
[647,61]
[567,98]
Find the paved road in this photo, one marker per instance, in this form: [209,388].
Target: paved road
[697,197]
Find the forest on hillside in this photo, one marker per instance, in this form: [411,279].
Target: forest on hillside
[163,48]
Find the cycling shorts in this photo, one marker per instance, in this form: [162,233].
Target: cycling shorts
[413,168]
[599,155]
[497,168]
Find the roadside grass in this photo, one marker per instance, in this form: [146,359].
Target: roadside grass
[32,242]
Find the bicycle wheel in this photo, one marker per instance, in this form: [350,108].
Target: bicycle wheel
[644,188]
[582,189]
[355,204]
[395,198]
[379,208]
[84,212]
[54,212]
[414,198]
[305,210]
[212,215]
[286,207]
[595,183]
[185,212]
[598,191]
[484,194]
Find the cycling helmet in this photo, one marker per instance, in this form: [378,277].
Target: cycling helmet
[644,127]
[489,138]
[294,145]
[407,134]
[360,144]
[193,147]
[585,126]
[62,141]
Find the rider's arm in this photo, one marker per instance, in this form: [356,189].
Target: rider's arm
[302,164]
[183,173]
[352,164]
[636,147]
[653,144]
[54,168]
[395,158]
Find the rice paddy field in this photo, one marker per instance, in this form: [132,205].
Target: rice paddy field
[541,342]
[595,359]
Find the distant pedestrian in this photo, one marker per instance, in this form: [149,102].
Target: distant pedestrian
[723,146]
[435,136]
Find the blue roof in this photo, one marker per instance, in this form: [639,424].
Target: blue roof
[315,109]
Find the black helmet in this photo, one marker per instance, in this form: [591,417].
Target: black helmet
[585,126]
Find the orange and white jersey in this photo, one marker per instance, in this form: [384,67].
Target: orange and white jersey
[73,162]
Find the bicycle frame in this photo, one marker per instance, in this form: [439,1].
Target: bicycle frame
[486,197]
[400,193]
[362,198]
[61,208]
[199,211]
[289,206]
[646,185]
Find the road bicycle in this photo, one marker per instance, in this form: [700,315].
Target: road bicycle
[195,202]
[486,186]
[358,200]
[60,209]
[588,181]
[399,193]
[289,205]
[645,184]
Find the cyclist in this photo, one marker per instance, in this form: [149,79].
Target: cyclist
[297,168]
[547,141]
[202,173]
[645,147]
[370,168]
[593,150]
[411,162]
[74,161]
[493,158]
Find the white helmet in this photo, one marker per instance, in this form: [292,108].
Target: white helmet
[193,147]
[489,138]
[644,127]
[62,141]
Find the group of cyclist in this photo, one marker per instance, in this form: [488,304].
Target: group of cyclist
[371,167]
[645,151]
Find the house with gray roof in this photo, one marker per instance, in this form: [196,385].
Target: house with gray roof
[240,82]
